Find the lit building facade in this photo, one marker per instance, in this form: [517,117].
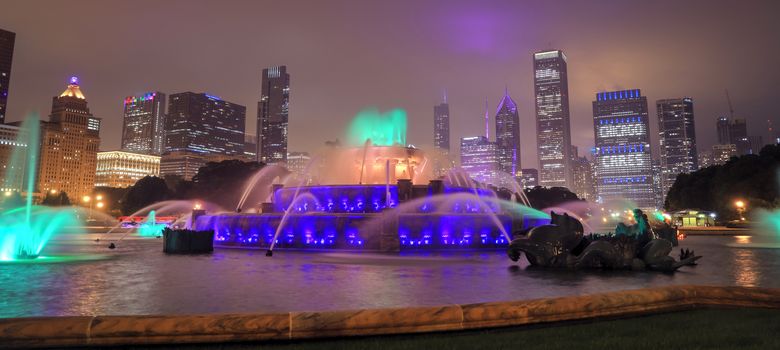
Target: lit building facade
[69,145]
[184,164]
[7,40]
[583,183]
[623,159]
[198,126]
[530,178]
[124,169]
[734,132]
[143,129]
[677,133]
[479,158]
[273,113]
[250,147]
[441,138]
[297,162]
[553,131]
[10,143]
[508,137]
[722,153]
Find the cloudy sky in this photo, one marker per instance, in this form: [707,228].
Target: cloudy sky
[344,56]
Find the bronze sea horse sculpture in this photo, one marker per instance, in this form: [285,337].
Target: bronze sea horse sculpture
[563,243]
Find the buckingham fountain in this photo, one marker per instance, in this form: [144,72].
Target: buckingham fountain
[377,193]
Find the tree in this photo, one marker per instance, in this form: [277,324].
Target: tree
[750,178]
[221,183]
[55,200]
[146,191]
[112,197]
[544,197]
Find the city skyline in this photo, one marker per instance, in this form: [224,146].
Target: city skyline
[483,63]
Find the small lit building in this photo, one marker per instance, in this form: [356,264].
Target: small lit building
[124,169]
[10,143]
[693,218]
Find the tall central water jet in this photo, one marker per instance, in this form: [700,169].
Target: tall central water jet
[25,229]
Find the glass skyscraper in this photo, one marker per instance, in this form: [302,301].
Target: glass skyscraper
[7,40]
[441,137]
[623,161]
[553,132]
[201,123]
[143,130]
[677,133]
[478,158]
[508,137]
[273,115]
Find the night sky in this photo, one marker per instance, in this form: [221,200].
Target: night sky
[344,56]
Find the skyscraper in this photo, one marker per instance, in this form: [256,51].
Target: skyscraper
[69,145]
[553,133]
[144,124]
[623,160]
[441,137]
[530,178]
[199,126]
[7,40]
[203,123]
[478,158]
[734,131]
[677,133]
[508,137]
[273,115]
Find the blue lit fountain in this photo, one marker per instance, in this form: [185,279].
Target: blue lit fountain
[374,196]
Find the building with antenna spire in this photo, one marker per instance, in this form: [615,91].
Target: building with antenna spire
[508,136]
[69,145]
[479,156]
[441,137]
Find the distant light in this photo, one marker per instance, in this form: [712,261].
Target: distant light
[100,205]
[74,80]
[213,97]
[712,215]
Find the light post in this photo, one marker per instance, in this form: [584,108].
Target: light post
[740,209]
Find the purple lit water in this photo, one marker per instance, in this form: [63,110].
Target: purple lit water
[137,278]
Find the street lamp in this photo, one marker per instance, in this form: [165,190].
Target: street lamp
[100,205]
[740,209]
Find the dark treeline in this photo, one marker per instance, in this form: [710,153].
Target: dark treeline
[751,178]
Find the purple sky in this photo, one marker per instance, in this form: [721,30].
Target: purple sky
[344,56]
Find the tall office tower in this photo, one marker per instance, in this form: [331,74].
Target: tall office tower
[724,137]
[739,136]
[273,115]
[678,139]
[508,137]
[706,159]
[623,161]
[756,144]
[553,133]
[479,158]
[582,171]
[7,40]
[657,184]
[204,123]
[144,124]
[197,126]
[441,137]
[69,145]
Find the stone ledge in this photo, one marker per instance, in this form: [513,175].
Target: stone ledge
[82,331]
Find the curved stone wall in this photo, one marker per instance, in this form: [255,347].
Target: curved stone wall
[129,330]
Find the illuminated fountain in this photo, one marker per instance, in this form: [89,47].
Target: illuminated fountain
[150,228]
[26,228]
[375,193]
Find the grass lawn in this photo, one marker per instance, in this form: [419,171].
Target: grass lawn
[689,330]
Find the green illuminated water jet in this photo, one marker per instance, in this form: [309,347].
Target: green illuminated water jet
[383,129]
[150,228]
[26,228]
